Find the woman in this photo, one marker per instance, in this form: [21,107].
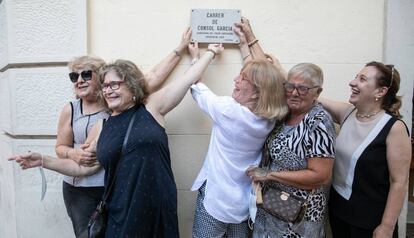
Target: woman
[300,153]
[373,156]
[143,202]
[82,194]
[241,123]
[301,157]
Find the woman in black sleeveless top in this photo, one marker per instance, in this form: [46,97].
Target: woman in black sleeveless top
[373,156]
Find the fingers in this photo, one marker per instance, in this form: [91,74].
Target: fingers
[84,146]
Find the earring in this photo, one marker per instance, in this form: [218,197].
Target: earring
[376,99]
[134,98]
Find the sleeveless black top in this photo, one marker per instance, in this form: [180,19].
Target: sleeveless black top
[143,202]
[370,186]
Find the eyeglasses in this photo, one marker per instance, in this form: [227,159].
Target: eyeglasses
[301,89]
[86,76]
[392,73]
[114,85]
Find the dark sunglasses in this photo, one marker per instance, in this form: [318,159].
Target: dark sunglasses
[86,76]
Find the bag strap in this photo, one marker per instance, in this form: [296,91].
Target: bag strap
[123,151]
[265,162]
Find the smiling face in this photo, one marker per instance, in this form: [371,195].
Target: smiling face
[244,91]
[364,87]
[116,93]
[86,88]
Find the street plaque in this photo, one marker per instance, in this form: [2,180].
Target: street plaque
[214,25]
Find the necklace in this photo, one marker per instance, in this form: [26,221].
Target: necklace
[367,115]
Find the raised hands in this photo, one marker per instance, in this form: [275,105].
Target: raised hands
[28,160]
[185,40]
[245,27]
[215,48]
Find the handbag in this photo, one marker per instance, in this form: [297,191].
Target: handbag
[97,223]
[283,205]
[275,201]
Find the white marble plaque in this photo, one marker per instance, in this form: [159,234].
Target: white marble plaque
[214,25]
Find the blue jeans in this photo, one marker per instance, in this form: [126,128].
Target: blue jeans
[80,203]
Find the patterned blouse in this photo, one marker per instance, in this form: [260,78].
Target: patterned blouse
[289,149]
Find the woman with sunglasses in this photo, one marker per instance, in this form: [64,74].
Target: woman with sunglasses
[300,152]
[370,178]
[83,193]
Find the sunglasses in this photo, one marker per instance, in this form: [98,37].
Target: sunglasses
[86,76]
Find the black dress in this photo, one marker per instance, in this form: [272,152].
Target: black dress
[143,202]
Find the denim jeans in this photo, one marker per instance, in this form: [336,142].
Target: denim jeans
[80,203]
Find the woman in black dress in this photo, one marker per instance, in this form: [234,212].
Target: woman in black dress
[143,202]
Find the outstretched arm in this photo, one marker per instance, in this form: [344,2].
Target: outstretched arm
[169,96]
[158,74]
[63,166]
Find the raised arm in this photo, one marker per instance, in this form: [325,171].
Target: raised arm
[169,96]
[255,49]
[244,48]
[157,75]
[335,108]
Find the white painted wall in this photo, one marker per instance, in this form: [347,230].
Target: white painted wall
[340,36]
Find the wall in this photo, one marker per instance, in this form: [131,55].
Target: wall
[340,36]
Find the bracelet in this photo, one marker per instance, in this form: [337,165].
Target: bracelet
[176,52]
[245,57]
[214,53]
[251,43]
[42,159]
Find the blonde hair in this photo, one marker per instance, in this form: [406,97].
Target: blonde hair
[86,61]
[133,77]
[90,62]
[268,82]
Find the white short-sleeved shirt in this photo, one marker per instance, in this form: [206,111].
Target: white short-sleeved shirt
[236,142]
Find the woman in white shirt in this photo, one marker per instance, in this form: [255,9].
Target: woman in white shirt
[241,124]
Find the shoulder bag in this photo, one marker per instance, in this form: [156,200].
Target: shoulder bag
[98,221]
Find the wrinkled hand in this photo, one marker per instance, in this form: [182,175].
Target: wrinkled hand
[84,155]
[28,160]
[185,40]
[240,34]
[383,231]
[217,48]
[193,49]
[245,27]
[257,174]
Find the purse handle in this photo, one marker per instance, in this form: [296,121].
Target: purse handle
[123,151]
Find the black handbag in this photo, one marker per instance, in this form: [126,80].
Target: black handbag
[98,221]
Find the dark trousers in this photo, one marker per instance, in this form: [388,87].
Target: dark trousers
[342,229]
[80,203]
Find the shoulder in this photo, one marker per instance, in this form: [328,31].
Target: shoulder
[399,127]
[318,117]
